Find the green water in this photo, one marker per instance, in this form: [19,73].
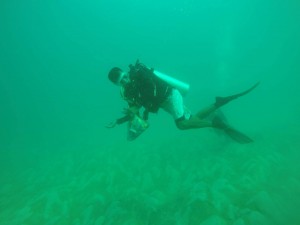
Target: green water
[60,165]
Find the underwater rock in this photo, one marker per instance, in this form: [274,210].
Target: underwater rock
[153,201]
[87,215]
[99,220]
[114,213]
[147,182]
[160,196]
[247,183]
[7,187]
[53,220]
[181,218]
[76,222]
[199,192]
[256,218]
[219,198]
[239,222]
[265,204]
[98,200]
[214,220]
[220,201]
[200,210]
[219,185]
[230,211]
[270,207]
[24,213]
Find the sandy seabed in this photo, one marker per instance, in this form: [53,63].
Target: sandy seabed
[171,182]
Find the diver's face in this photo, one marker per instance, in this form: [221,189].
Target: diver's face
[124,79]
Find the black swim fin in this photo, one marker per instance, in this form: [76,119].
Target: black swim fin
[237,136]
[220,101]
[230,131]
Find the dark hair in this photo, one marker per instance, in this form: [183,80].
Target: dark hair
[114,74]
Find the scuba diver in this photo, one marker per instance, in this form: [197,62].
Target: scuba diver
[147,89]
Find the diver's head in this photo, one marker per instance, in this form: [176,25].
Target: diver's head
[118,76]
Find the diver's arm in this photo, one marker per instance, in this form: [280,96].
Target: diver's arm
[118,121]
[129,112]
[123,119]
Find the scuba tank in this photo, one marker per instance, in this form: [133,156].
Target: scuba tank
[181,86]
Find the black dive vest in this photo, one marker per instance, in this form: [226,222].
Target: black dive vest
[145,89]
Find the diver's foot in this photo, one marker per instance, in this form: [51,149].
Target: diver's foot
[234,134]
[218,123]
[220,101]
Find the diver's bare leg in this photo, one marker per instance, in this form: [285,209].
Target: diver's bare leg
[206,112]
[192,123]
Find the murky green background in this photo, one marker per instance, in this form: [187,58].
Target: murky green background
[60,165]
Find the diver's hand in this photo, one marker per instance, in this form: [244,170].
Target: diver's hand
[111,124]
[131,110]
[126,111]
